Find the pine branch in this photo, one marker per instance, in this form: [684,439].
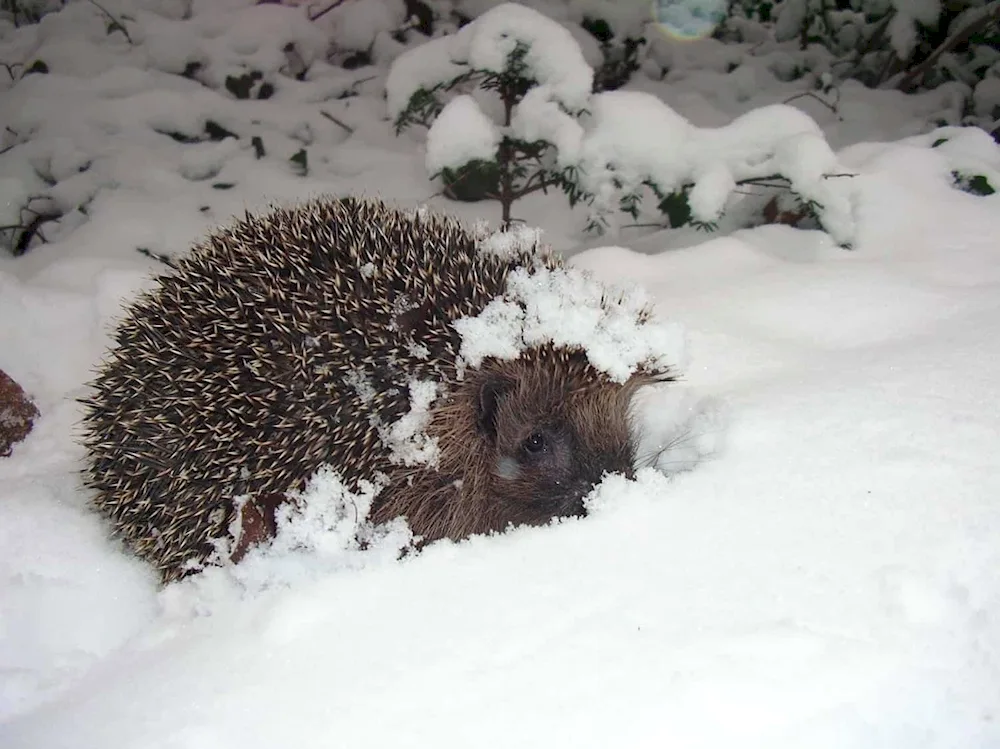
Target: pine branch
[335,121]
[812,94]
[9,67]
[528,188]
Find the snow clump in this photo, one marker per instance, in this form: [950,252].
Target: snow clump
[634,139]
[461,133]
[569,308]
[553,56]
[406,439]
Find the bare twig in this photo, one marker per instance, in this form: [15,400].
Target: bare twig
[16,142]
[335,121]
[319,14]
[30,230]
[891,65]
[119,25]
[654,225]
[824,102]
[158,256]
[10,69]
[544,185]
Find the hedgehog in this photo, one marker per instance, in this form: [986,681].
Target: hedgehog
[292,339]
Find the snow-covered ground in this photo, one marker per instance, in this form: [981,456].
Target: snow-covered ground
[827,577]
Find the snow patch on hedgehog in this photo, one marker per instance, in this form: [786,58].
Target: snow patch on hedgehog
[569,308]
[322,529]
[406,439]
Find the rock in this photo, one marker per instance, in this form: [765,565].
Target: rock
[17,414]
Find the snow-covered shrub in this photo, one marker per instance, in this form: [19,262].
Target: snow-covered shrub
[620,53]
[207,88]
[367,32]
[974,160]
[634,143]
[901,43]
[528,81]
[611,149]
[20,12]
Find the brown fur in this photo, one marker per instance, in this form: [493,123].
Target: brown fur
[484,481]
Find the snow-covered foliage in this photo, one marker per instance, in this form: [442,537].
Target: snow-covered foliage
[354,25]
[462,133]
[613,149]
[236,87]
[534,68]
[629,141]
[626,147]
[909,44]
[550,55]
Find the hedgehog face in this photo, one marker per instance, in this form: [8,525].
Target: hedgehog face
[550,443]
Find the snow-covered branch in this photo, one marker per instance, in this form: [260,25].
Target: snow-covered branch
[984,19]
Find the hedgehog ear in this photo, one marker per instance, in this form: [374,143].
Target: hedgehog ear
[491,392]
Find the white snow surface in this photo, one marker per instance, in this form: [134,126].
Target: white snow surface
[824,577]
[355,25]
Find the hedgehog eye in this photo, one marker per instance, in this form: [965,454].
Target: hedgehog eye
[534,444]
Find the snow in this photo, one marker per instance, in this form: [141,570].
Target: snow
[570,308]
[813,564]
[422,66]
[987,97]
[356,25]
[406,439]
[322,530]
[460,134]
[903,33]
[790,18]
[634,138]
[506,243]
[553,57]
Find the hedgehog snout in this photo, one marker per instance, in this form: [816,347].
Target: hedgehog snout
[507,468]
